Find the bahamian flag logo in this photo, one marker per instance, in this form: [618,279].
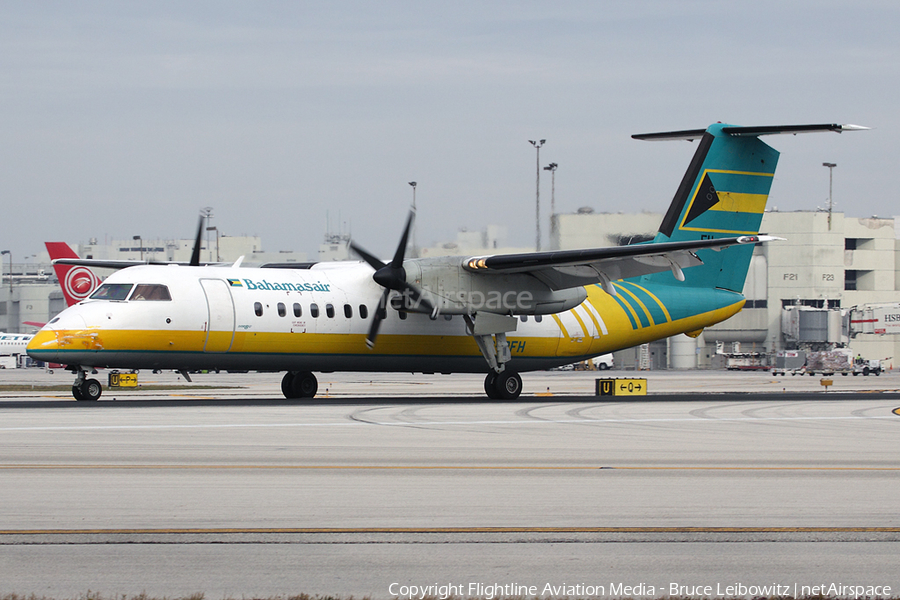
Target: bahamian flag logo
[235,283]
[705,199]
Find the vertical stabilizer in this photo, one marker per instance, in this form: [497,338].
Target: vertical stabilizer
[723,194]
[77,282]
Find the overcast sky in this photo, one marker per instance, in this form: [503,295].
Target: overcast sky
[125,118]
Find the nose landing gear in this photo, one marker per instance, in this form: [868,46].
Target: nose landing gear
[86,390]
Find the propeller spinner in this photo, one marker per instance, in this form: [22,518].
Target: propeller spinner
[392,277]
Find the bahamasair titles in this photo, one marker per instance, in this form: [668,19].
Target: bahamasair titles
[499,314]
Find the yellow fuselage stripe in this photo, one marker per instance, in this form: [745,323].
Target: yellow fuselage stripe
[641,304]
[561,326]
[590,313]
[658,301]
[587,334]
[637,320]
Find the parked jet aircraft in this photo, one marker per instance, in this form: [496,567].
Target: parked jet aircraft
[14,344]
[500,314]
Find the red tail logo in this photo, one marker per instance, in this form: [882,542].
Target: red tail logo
[77,282]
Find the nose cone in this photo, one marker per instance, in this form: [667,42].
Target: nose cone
[62,335]
[44,346]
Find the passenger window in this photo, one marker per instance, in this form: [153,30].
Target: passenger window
[348,311]
[281,310]
[298,310]
[363,311]
[402,316]
[538,318]
[448,317]
[314,311]
[257,308]
[151,291]
[112,291]
[329,310]
[523,318]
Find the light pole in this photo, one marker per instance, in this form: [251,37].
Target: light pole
[207,212]
[552,168]
[831,167]
[141,242]
[216,229]
[415,252]
[537,195]
[2,252]
[9,319]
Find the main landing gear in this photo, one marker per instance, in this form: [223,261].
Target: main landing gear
[506,385]
[86,390]
[299,384]
[489,332]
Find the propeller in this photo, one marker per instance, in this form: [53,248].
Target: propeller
[392,277]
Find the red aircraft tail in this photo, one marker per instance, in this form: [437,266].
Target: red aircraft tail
[77,282]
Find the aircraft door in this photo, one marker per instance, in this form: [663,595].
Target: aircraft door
[220,320]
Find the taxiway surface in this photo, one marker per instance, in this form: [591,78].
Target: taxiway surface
[247,496]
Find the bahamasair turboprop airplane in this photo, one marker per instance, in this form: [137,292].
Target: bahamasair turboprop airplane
[499,315]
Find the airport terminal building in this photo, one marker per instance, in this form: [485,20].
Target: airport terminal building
[826,263]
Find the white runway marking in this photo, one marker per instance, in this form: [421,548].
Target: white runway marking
[437,423]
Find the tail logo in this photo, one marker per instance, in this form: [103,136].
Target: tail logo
[80,282]
[705,199]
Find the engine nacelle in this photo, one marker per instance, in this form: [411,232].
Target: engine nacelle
[453,290]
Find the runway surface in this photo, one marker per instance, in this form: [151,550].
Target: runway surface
[256,496]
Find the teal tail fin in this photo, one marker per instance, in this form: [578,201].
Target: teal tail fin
[723,194]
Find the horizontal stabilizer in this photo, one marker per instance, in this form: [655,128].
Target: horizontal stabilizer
[693,134]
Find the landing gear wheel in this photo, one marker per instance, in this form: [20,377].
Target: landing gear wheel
[76,392]
[508,385]
[489,386]
[287,383]
[304,385]
[91,390]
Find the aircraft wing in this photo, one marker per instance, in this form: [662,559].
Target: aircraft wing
[123,264]
[572,268]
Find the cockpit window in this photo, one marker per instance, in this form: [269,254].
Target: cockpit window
[112,291]
[150,291]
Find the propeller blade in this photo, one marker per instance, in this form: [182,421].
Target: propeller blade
[195,255]
[373,261]
[401,249]
[392,277]
[418,299]
[380,314]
